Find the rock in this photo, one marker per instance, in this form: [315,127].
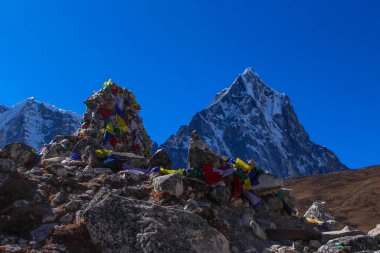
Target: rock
[20,203]
[160,158]
[89,157]
[329,224]
[81,145]
[318,210]
[50,161]
[7,165]
[88,170]
[102,170]
[347,244]
[67,218]
[35,171]
[315,244]
[57,169]
[49,217]
[41,233]
[59,197]
[293,234]
[10,248]
[15,186]
[115,178]
[285,249]
[134,160]
[72,205]
[257,230]
[171,184]
[22,154]
[55,150]
[119,224]
[71,138]
[375,233]
[237,203]
[191,206]
[248,216]
[275,205]
[220,194]
[327,236]
[200,154]
[268,184]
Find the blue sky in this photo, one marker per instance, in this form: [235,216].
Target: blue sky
[176,55]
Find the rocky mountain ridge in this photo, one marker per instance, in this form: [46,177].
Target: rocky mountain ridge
[253,121]
[35,123]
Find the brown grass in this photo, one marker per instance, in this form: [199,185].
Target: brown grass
[352,196]
[75,237]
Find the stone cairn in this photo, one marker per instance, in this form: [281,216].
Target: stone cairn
[112,119]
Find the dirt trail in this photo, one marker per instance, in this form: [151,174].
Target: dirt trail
[353,196]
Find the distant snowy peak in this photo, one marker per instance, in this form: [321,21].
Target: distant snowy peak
[35,123]
[251,120]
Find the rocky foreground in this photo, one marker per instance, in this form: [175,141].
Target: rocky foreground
[55,203]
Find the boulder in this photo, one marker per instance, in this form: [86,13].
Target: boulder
[200,154]
[50,161]
[347,244]
[318,210]
[268,184]
[346,231]
[41,233]
[160,158]
[257,230]
[81,145]
[55,150]
[375,233]
[171,184]
[130,158]
[89,157]
[118,224]
[7,165]
[57,169]
[22,154]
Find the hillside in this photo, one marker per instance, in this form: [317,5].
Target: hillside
[352,196]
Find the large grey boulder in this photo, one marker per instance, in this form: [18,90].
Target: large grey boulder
[375,233]
[7,165]
[171,184]
[318,210]
[20,153]
[117,224]
[347,244]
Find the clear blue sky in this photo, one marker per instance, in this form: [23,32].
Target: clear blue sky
[176,55]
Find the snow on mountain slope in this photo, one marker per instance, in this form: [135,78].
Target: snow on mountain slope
[252,121]
[35,123]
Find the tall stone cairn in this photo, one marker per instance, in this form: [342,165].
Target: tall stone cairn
[112,119]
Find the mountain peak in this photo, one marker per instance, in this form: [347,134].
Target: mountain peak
[253,121]
[35,123]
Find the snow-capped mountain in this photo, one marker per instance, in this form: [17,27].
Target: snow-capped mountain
[253,121]
[35,123]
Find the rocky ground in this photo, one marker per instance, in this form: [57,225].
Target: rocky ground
[353,196]
[54,203]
